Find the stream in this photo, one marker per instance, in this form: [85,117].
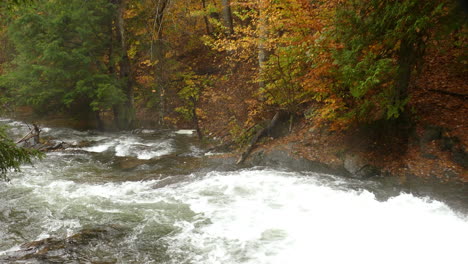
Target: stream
[152,196]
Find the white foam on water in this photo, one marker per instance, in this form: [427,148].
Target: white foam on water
[10,250]
[269,217]
[100,147]
[146,155]
[275,217]
[137,192]
[142,149]
[127,146]
[95,138]
[53,225]
[148,131]
[185,132]
[209,153]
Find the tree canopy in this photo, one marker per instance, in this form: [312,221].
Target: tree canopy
[62,59]
[342,62]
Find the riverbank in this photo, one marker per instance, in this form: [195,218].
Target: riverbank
[431,141]
[430,152]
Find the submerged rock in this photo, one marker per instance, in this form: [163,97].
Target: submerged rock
[71,249]
[127,163]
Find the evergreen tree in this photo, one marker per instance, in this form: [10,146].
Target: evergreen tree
[64,56]
[381,42]
[12,156]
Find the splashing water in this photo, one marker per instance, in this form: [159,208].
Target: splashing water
[260,216]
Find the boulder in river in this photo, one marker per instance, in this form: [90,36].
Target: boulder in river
[359,167]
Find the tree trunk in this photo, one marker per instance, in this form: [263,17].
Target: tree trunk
[261,133]
[99,122]
[262,37]
[406,60]
[159,56]
[205,18]
[195,121]
[227,16]
[125,112]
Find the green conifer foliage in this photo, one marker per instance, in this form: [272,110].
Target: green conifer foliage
[12,156]
[381,43]
[64,56]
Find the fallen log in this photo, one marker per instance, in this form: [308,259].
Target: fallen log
[57,146]
[261,133]
[34,133]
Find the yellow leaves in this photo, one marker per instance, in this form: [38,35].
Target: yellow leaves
[132,51]
[169,54]
[148,63]
[170,120]
[130,13]
[198,13]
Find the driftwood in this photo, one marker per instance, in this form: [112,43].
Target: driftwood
[261,133]
[34,133]
[56,146]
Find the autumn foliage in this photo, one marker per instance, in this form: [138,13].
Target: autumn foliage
[340,63]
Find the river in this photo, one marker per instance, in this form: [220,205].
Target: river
[149,196]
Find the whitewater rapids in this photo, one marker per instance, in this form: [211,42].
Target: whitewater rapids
[251,216]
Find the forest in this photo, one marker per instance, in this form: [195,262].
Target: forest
[233,131]
[385,80]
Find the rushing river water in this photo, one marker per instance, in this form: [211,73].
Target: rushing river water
[149,197]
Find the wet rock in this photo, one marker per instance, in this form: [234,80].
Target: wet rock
[84,144]
[222,163]
[451,175]
[460,157]
[279,158]
[54,146]
[127,163]
[429,156]
[68,250]
[448,143]
[358,167]
[222,148]
[368,171]
[353,163]
[431,133]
